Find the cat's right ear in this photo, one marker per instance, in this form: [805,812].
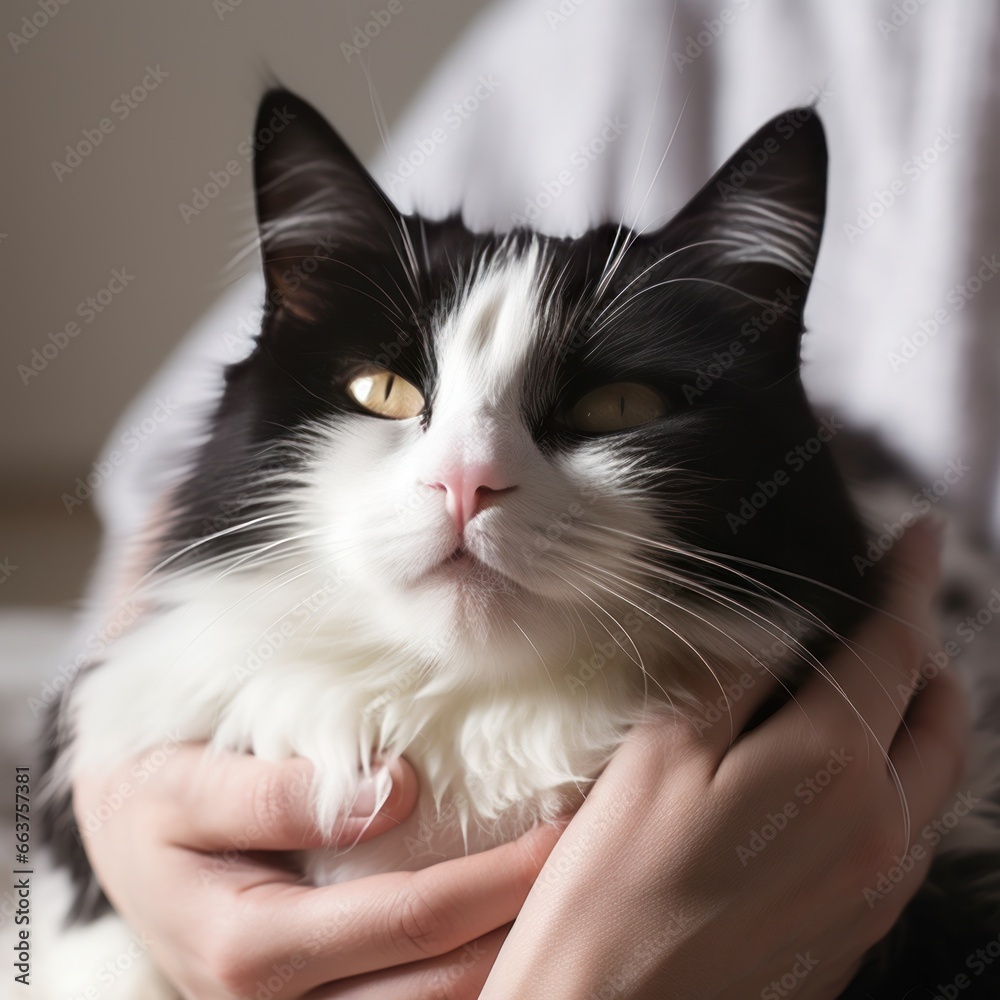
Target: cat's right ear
[759,220]
[313,196]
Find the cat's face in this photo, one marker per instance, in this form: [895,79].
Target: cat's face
[486,509]
[506,444]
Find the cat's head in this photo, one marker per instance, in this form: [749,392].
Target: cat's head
[499,444]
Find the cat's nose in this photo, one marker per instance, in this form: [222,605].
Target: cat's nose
[470,488]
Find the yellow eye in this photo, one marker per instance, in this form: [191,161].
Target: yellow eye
[616,407]
[387,394]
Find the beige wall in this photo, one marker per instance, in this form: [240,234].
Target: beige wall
[119,208]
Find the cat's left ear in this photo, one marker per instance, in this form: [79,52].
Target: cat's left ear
[764,208]
[314,198]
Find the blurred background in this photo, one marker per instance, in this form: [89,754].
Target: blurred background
[197,69]
[120,216]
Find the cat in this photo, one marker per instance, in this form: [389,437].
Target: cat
[477,498]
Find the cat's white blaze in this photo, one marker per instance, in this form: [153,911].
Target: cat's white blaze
[358,645]
[485,343]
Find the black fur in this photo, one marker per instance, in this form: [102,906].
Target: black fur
[351,281]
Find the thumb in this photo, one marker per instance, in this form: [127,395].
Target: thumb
[238,799]
[383,801]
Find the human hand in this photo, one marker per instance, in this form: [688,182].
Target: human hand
[658,886]
[186,861]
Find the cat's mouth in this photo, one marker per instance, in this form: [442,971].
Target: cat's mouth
[462,564]
[461,557]
[460,560]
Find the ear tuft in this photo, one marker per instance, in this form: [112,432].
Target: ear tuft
[311,190]
[766,205]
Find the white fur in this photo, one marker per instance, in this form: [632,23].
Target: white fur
[507,685]
[371,649]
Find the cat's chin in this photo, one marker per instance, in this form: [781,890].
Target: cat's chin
[473,574]
[462,565]
[468,577]
[466,612]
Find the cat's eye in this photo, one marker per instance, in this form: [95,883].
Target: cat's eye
[616,407]
[387,394]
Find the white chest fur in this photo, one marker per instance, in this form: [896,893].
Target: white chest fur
[247,673]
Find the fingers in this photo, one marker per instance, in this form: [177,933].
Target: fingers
[928,755]
[381,921]
[457,975]
[930,748]
[874,676]
[237,799]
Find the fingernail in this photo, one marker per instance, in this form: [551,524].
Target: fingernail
[373,793]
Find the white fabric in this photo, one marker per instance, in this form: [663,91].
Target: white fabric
[533,84]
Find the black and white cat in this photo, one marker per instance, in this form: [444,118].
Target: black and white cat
[474,498]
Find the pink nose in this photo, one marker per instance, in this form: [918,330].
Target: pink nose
[468,489]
